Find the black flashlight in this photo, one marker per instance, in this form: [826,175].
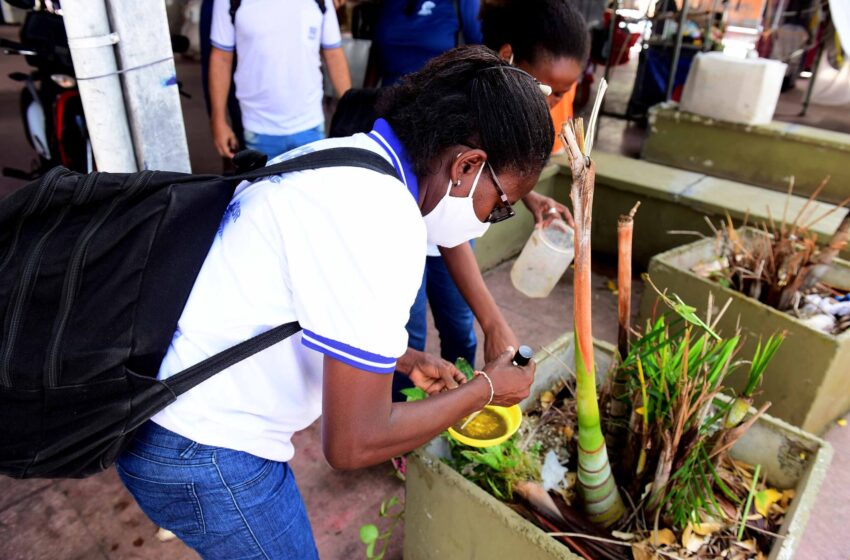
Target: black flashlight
[523,356]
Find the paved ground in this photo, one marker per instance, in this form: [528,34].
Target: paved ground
[97,519]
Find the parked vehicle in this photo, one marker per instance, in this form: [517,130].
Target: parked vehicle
[51,110]
[50,104]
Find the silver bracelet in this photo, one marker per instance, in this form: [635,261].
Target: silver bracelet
[490,383]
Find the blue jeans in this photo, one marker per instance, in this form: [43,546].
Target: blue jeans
[273,145]
[452,317]
[223,503]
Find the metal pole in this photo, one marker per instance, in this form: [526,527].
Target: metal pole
[674,66]
[90,41]
[612,27]
[708,24]
[150,84]
[813,77]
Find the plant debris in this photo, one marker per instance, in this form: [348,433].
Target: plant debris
[783,266]
[687,497]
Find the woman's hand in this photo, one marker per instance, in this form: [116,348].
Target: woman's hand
[511,383]
[496,339]
[430,373]
[546,209]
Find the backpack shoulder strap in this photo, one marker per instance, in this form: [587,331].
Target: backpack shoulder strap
[332,157]
[234,5]
[181,382]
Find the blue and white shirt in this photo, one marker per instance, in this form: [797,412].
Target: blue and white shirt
[405,42]
[341,250]
[278,77]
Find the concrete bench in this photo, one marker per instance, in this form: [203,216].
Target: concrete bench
[759,155]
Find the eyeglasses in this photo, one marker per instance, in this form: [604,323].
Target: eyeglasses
[503,211]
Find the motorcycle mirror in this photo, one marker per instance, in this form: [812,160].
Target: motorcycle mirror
[179,44]
[22,4]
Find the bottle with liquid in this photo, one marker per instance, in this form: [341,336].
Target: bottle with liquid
[544,259]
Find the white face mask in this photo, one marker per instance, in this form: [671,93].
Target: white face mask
[453,220]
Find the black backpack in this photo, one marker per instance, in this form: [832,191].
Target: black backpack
[94,273]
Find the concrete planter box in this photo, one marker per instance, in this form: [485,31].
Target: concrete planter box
[765,155]
[673,199]
[447,516]
[808,381]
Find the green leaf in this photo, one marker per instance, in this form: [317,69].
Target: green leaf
[414,394]
[392,502]
[370,550]
[465,368]
[369,534]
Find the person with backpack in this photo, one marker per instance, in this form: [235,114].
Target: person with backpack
[279,84]
[340,250]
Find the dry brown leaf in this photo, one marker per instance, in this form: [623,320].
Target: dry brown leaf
[662,537]
[787,496]
[622,536]
[546,399]
[568,432]
[641,551]
[691,540]
[748,545]
[706,528]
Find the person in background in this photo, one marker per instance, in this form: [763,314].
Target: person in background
[341,251]
[278,79]
[233,112]
[546,38]
[408,33]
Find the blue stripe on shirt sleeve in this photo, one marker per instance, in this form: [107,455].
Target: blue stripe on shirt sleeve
[221,47]
[336,45]
[348,354]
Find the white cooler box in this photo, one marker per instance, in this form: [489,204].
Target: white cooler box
[732,89]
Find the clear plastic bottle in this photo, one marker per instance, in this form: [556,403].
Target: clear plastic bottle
[543,260]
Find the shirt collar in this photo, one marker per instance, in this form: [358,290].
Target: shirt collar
[385,136]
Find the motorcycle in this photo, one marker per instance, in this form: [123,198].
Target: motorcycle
[50,105]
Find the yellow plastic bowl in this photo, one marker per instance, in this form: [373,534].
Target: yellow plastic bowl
[512,415]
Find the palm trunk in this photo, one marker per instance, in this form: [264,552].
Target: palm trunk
[602,501]
[619,406]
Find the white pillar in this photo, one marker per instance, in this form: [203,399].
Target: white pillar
[150,84]
[91,44]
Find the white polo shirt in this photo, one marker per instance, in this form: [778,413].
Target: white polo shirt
[341,250]
[278,75]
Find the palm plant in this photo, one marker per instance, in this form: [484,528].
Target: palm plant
[601,497]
